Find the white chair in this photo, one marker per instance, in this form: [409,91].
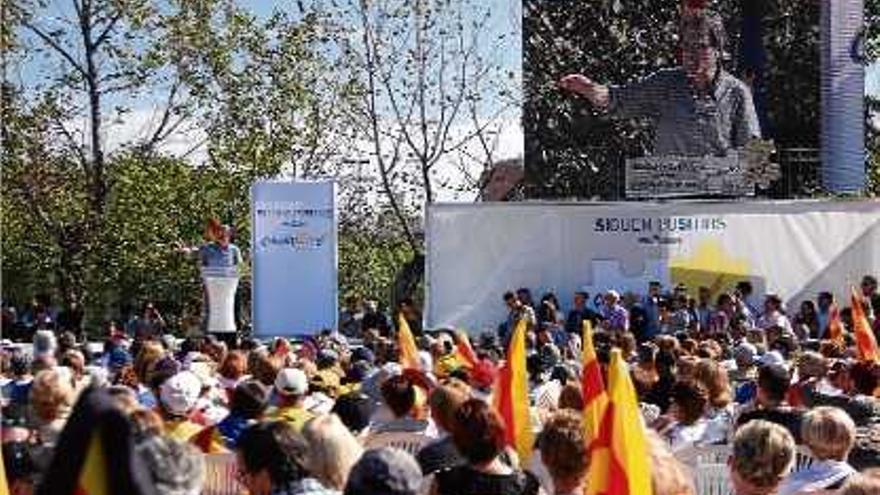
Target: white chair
[411,442]
[696,455]
[221,474]
[712,479]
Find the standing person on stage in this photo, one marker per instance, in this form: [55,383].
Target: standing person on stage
[517,310]
[575,321]
[698,109]
[616,316]
[220,252]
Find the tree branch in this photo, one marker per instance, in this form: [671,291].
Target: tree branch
[58,48]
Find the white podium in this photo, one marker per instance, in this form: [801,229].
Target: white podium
[220,286]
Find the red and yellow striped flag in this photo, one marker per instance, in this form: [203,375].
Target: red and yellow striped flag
[620,461]
[835,324]
[865,340]
[209,441]
[465,350]
[511,396]
[409,353]
[4,484]
[592,385]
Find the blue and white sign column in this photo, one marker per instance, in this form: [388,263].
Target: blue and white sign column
[843,96]
[294,257]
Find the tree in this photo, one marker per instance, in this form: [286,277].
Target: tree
[430,95]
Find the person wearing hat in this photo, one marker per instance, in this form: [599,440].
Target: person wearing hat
[385,471]
[247,406]
[178,396]
[291,387]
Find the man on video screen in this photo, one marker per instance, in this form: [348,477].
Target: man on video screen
[697,109]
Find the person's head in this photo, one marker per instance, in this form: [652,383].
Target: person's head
[863,377]
[725,303]
[571,397]
[291,384]
[264,368]
[145,362]
[333,450]
[773,383]
[564,450]
[225,236]
[704,295]
[811,364]
[612,297]
[271,455]
[744,288]
[478,433]
[668,475]
[234,366]
[580,299]
[385,471]
[866,483]
[249,399]
[714,377]
[654,288]
[525,296]
[808,309]
[178,394]
[399,395]
[74,360]
[772,303]
[690,400]
[744,355]
[829,433]
[20,468]
[51,393]
[445,400]
[824,301]
[763,453]
[175,467]
[869,285]
[511,300]
[354,410]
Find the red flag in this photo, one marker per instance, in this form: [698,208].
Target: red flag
[592,385]
[209,441]
[464,350]
[865,340]
[835,324]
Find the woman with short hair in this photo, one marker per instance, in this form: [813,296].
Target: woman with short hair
[830,434]
[763,453]
[333,450]
[479,437]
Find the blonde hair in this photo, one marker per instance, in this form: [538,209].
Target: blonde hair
[714,378]
[446,399]
[668,475]
[145,361]
[50,394]
[829,432]
[763,453]
[333,450]
[867,483]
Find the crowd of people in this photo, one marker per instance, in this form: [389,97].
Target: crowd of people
[338,413]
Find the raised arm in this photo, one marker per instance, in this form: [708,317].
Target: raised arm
[581,85]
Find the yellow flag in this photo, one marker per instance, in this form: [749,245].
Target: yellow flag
[409,354]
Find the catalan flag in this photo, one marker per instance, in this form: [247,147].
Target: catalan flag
[209,440]
[465,350]
[511,396]
[620,462]
[835,324]
[409,353]
[592,385]
[95,453]
[865,340]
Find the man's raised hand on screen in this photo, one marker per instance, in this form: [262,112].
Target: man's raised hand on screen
[583,86]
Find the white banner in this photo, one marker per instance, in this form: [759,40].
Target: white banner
[476,252]
[294,257]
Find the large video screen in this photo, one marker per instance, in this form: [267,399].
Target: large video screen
[653,98]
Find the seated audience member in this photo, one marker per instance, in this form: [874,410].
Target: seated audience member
[354,409]
[272,460]
[333,450]
[762,455]
[404,430]
[292,385]
[668,475]
[249,401]
[563,453]
[175,467]
[441,453]
[866,483]
[721,410]
[769,404]
[479,436]
[829,433]
[688,423]
[51,398]
[20,468]
[385,471]
[177,398]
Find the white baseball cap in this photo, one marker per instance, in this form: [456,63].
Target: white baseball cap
[291,381]
[180,393]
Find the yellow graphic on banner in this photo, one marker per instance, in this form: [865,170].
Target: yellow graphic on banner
[708,266]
